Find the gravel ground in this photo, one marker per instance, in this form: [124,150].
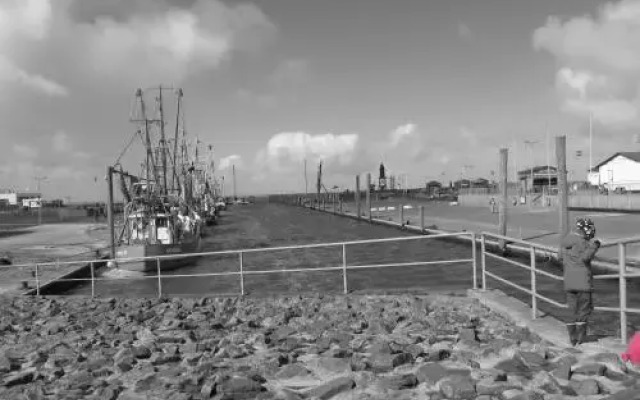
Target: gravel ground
[316,347]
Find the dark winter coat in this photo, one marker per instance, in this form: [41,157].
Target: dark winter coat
[577,255]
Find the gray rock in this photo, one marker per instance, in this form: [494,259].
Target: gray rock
[20,377]
[398,382]
[238,388]
[586,387]
[458,388]
[590,369]
[331,388]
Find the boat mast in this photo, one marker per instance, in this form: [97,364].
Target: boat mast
[163,147]
[149,161]
[176,181]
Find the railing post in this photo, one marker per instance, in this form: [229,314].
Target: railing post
[421,219]
[344,268]
[473,256]
[483,259]
[37,281]
[534,295]
[622,264]
[159,278]
[241,275]
[93,281]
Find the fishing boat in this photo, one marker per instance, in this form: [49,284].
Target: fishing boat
[161,208]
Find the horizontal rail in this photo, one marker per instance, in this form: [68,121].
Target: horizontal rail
[260,250]
[516,263]
[411,264]
[507,282]
[261,272]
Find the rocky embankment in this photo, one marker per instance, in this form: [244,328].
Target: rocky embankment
[331,347]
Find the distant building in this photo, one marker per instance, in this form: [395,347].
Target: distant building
[433,187]
[536,179]
[619,171]
[14,198]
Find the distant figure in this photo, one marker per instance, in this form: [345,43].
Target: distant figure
[492,205]
[579,249]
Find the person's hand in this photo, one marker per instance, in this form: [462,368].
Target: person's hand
[597,242]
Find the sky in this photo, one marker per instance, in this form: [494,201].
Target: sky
[432,89]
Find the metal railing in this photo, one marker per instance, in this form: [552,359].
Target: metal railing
[622,275]
[241,272]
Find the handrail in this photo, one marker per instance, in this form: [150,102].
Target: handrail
[621,276]
[258,250]
[242,272]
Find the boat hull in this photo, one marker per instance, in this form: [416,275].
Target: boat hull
[153,250]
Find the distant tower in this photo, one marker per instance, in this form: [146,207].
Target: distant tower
[382,179]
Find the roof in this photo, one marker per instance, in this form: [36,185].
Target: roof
[539,169]
[631,155]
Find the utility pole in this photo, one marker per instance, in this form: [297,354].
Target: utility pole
[368,194]
[546,129]
[590,142]
[357,196]
[306,182]
[110,217]
[502,205]
[38,180]
[530,144]
[233,168]
[563,203]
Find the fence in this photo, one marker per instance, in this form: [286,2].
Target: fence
[622,276]
[241,272]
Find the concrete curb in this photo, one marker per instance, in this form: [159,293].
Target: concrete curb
[545,326]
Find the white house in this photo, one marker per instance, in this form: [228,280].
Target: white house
[621,170]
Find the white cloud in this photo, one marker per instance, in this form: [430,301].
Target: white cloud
[600,62]
[464,31]
[401,132]
[21,22]
[470,136]
[160,43]
[227,162]
[24,151]
[174,43]
[60,142]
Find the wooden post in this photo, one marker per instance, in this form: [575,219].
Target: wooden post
[357,197]
[112,230]
[502,207]
[401,213]
[563,195]
[368,192]
[421,218]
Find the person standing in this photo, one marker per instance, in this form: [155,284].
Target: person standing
[579,249]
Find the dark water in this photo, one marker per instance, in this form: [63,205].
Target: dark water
[271,225]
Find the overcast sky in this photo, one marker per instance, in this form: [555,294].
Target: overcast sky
[426,86]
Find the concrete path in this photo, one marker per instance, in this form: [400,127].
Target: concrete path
[48,243]
[538,225]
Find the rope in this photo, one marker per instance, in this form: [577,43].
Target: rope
[126,147]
